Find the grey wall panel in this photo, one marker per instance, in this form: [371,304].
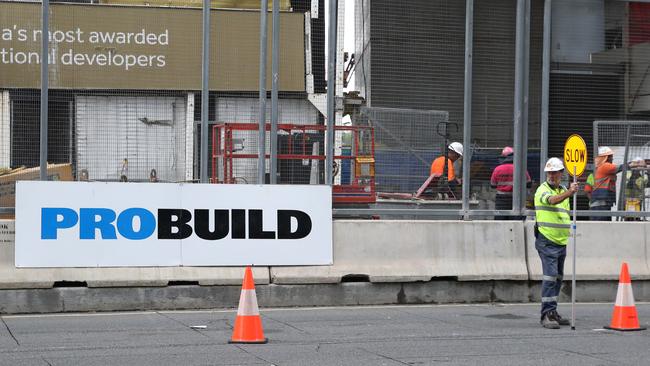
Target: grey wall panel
[149,132]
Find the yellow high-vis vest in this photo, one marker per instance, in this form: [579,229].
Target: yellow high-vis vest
[553,221]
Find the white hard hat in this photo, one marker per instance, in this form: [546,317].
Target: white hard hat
[456,147]
[553,165]
[640,162]
[605,151]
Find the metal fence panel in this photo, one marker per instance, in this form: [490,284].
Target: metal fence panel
[125,100]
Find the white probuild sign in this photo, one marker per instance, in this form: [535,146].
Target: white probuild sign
[81,224]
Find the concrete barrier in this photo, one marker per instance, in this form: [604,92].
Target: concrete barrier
[470,261]
[12,277]
[602,247]
[407,251]
[383,251]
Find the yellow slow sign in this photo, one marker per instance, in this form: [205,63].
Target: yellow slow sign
[575,155]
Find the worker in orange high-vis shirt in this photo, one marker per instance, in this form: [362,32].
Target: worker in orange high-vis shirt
[454,152]
[603,195]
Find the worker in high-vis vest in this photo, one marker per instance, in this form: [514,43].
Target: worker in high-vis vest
[636,183]
[603,195]
[445,165]
[502,181]
[552,228]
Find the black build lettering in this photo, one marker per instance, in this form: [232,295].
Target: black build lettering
[284,224]
[202,224]
[256,226]
[238,224]
[166,223]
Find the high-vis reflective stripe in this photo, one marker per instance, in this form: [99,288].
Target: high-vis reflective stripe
[605,183]
[248,303]
[558,226]
[559,278]
[549,299]
[549,278]
[598,203]
[624,296]
[553,221]
[552,209]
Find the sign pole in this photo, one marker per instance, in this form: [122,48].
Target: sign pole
[575,161]
[573,279]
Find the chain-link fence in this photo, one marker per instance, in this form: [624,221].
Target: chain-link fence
[420,118]
[125,85]
[406,142]
[598,67]
[629,145]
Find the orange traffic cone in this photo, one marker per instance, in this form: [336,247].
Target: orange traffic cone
[624,317]
[248,324]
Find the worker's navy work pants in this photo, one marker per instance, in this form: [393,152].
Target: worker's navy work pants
[503,201]
[602,200]
[601,208]
[552,256]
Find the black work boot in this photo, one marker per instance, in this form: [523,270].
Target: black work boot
[560,320]
[548,322]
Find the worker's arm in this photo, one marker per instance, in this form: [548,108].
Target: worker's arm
[493,179]
[609,169]
[613,169]
[573,188]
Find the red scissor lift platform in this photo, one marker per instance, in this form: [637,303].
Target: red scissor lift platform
[300,154]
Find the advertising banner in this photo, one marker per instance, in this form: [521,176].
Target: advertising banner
[82,224]
[130,47]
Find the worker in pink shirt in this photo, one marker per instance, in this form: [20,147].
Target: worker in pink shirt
[503,182]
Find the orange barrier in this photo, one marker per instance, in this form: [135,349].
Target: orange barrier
[248,324]
[625,317]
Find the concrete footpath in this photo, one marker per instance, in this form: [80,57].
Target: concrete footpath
[383,335]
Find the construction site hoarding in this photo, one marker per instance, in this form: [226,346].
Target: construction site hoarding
[222,4]
[127,47]
[168,224]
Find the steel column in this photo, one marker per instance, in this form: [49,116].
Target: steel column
[331,91]
[275,66]
[45,52]
[205,92]
[467,105]
[261,138]
[546,73]
[518,103]
[523,161]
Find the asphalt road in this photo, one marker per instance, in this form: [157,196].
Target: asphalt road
[379,335]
